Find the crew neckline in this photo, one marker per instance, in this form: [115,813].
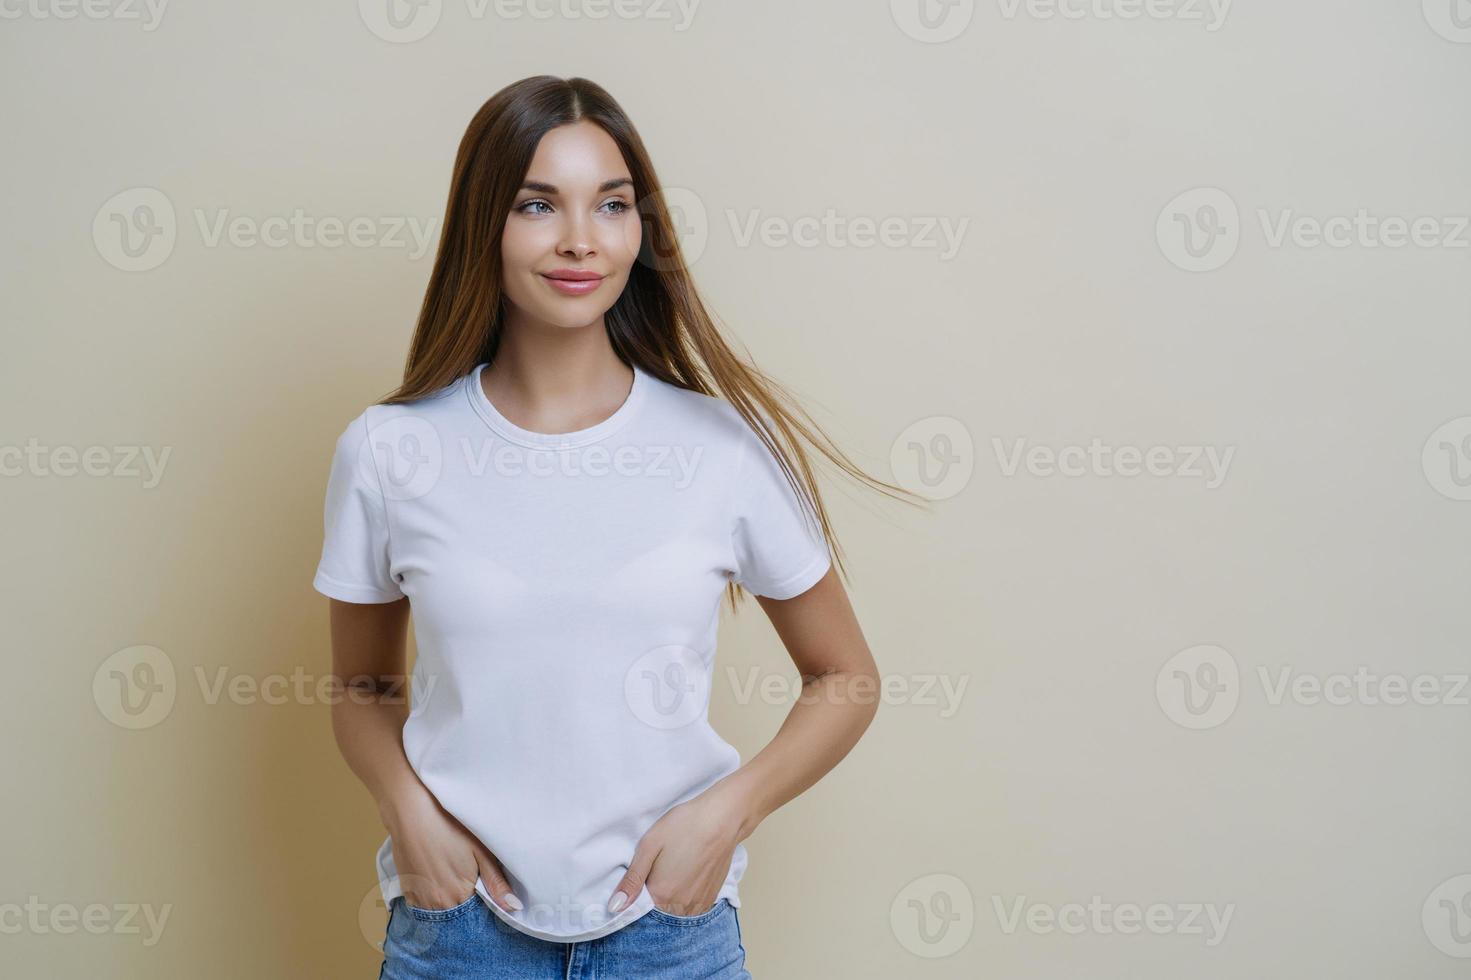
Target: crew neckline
[512,432]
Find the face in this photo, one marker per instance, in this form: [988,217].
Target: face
[573,231]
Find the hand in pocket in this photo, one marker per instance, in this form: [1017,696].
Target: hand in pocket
[438,860]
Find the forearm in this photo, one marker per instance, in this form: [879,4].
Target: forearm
[367,723]
[831,714]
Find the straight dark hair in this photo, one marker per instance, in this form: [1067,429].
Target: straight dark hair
[659,322]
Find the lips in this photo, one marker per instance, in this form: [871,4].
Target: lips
[573,282]
[572,275]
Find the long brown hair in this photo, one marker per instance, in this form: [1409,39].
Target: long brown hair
[658,322]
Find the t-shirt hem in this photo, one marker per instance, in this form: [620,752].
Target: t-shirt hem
[625,917]
[795,585]
[390,889]
[332,588]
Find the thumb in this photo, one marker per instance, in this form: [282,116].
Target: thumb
[633,882]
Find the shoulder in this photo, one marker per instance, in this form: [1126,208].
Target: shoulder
[382,442]
[376,421]
[710,416]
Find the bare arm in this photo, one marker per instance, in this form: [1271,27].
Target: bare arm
[369,664]
[694,842]
[840,688]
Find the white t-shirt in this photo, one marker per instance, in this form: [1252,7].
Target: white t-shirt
[565,592]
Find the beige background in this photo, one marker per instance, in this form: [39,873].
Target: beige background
[1069,612]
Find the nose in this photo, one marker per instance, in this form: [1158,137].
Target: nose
[576,241]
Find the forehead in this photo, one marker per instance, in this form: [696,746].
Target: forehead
[579,156]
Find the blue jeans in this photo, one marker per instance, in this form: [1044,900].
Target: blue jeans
[469,942]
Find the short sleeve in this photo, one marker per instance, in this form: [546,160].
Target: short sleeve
[779,547]
[355,546]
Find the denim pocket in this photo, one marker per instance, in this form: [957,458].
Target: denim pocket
[439,915]
[720,906]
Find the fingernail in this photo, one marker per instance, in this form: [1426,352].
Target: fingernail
[617,902]
[513,901]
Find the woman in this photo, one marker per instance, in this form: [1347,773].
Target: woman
[562,497]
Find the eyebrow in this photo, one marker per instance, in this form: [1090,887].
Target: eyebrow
[603,188]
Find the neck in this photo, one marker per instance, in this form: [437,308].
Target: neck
[556,379]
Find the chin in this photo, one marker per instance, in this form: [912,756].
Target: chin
[570,317]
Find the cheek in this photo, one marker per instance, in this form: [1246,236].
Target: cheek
[519,246]
[519,255]
[623,242]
